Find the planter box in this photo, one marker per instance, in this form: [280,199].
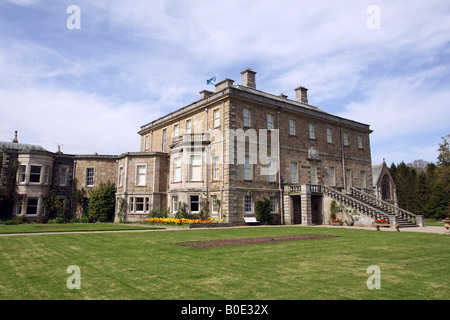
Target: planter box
[209,225]
[337,223]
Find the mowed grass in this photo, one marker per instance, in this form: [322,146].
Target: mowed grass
[150,265]
[67,227]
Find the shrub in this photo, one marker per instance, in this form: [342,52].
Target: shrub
[80,220]
[57,220]
[182,212]
[158,214]
[102,202]
[262,208]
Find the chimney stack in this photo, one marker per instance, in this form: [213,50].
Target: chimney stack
[15,137]
[205,94]
[301,94]
[224,84]
[248,78]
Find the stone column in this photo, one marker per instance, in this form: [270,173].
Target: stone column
[420,221]
[305,195]
[287,213]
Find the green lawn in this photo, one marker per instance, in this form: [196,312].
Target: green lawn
[67,227]
[150,265]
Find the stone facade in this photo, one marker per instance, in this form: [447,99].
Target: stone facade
[38,172]
[214,147]
[141,184]
[91,171]
[222,153]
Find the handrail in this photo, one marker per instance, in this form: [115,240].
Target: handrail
[354,203]
[382,204]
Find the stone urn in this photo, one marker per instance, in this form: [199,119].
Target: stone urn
[447,225]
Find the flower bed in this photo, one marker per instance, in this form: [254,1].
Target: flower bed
[177,222]
[381,221]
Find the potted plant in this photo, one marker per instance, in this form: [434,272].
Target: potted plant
[447,223]
[381,221]
[337,222]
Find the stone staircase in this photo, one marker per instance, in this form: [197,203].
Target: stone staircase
[374,207]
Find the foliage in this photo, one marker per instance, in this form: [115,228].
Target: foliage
[80,197]
[80,220]
[8,194]
[158,213]
[57,220]
[53,204]
[334,209]
[204,208]
[262,208]
[102,202]
[444,152]
[425,191]
[182,212]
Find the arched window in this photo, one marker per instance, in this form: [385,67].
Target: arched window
[386,188]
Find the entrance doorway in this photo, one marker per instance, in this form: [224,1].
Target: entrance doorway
[296,209]
[316,210]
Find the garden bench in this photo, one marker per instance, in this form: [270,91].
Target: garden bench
[378,225]
[251,220]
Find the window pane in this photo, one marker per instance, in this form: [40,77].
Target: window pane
[215,168]
[174,204]
[248,204]
[311,131]
[247,169]
[35,174]
[32,205]
[194,204]
[196,168]
[345,139]
[214,206]
[293,172]
[140,175]
[188,126]
[23,171]
[269,122]
[139,204]
[247,117]
[313,175]
[331,174]
[90,176]
[273,204]
[216,118]
[164,140]
[63,177]
[177,169]
[291,126]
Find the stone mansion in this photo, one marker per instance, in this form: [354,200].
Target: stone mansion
[233,146]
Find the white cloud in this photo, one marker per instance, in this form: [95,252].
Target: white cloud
[163,51]
[408,115]
[24,3]
[82,123]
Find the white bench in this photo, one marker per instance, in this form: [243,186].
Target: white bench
[251,220]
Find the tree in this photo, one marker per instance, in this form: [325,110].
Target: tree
[102,202]
[262,208]
[444,152]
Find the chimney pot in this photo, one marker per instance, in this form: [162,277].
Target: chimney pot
[248,78]
[301,94]
[16,140]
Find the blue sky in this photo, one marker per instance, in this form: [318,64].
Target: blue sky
[90,89]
